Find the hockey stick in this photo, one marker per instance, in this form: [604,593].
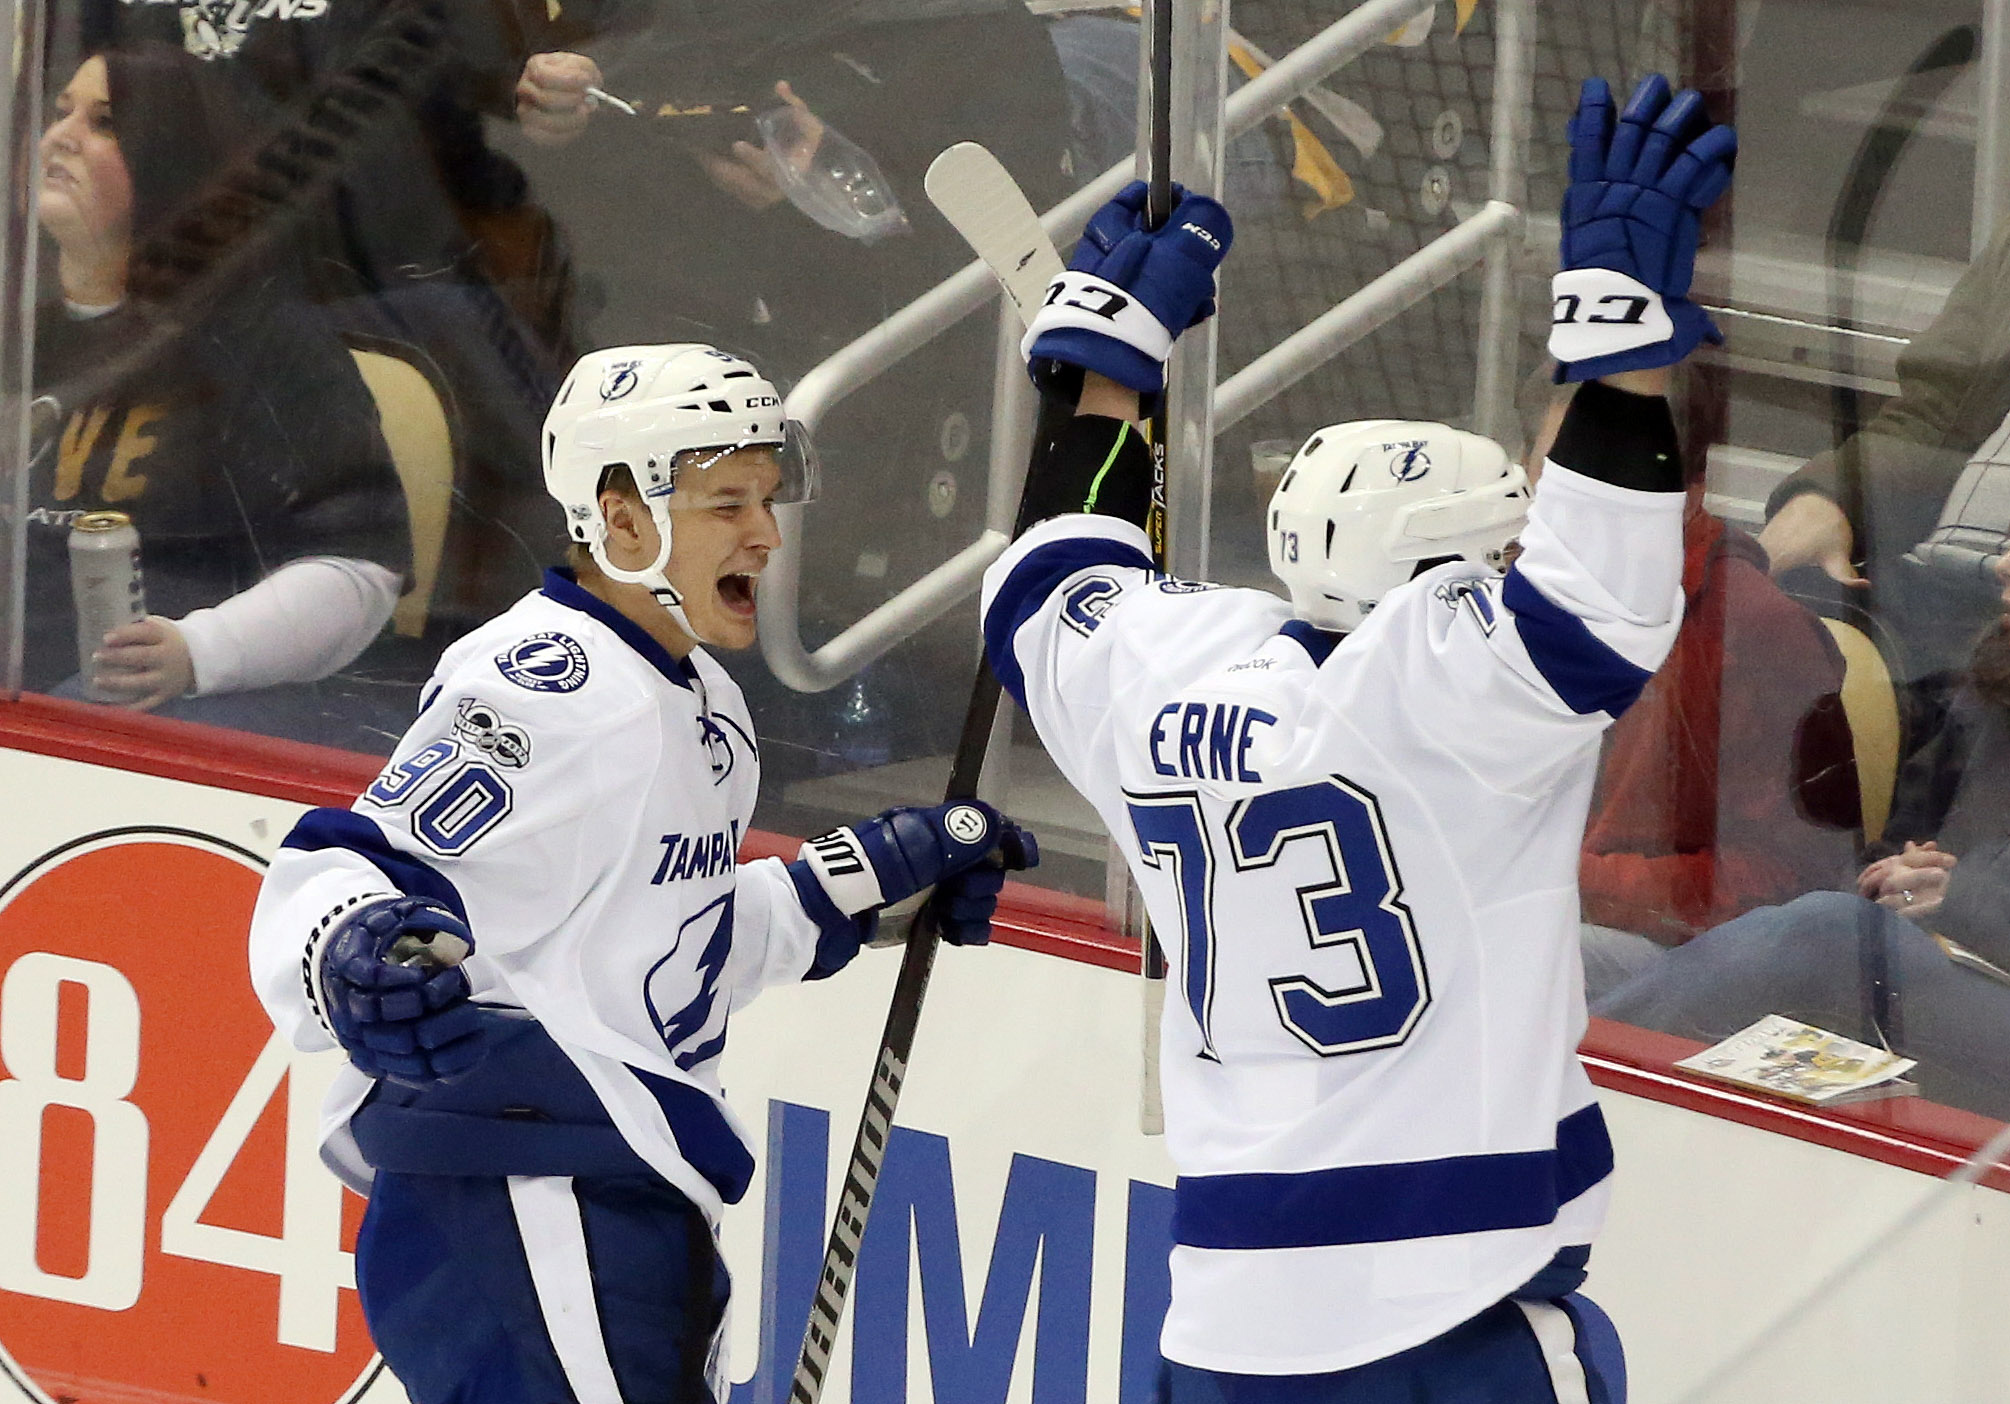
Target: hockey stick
[993,215]
[1158,209]
[976,194]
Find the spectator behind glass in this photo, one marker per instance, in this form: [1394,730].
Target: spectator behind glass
[1867,962]
[1709,785]
[428,238]
[244,445]
[1879,494]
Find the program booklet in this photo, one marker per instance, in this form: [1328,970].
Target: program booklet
[1804,1064]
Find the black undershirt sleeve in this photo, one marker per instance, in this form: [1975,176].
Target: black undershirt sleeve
[1620,438]
[1087,463]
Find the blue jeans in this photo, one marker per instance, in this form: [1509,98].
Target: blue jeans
[1837,961]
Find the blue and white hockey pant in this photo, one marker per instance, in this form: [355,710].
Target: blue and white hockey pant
[541,1289]
[1514,1352]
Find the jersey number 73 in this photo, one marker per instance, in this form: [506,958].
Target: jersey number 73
[1369,986]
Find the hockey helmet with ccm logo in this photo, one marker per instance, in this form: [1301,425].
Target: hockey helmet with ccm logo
[1362,505]
[666,414]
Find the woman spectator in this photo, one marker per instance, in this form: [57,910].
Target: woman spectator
[242,444]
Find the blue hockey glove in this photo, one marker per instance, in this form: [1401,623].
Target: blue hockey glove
[1130,291]
[963,849]
[390,988]
[1638,183]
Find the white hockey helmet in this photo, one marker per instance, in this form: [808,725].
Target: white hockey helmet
[665,413]
[1363,504]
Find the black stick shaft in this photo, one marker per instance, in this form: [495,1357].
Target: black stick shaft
[896,1044]
[1158,198]
[1158,209]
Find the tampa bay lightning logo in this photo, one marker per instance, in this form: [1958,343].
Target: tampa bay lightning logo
[681,990]
[621,378]
[718,748]
[548,662]
[1407,461]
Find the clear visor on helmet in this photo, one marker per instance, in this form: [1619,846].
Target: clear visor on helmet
[745,470]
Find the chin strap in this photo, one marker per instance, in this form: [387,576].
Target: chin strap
[650,577]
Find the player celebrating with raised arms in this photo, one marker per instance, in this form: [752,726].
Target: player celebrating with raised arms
[1355,817]
[530,932]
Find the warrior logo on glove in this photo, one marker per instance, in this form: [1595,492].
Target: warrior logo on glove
[962,849]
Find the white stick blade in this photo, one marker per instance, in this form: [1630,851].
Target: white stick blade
[978,196]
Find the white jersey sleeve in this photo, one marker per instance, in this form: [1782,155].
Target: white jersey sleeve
[774,940]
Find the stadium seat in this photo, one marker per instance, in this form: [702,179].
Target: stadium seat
[1871,703]
[417,429]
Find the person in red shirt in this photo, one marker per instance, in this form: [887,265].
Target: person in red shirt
[1729,784]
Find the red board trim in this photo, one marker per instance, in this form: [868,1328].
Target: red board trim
[1907,1133]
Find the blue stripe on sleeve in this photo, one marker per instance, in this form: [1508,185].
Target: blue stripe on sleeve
[1026,589]
[1392,1202]
[1585,672]
[344,828]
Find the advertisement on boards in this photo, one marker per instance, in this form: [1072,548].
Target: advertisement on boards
[168,1233]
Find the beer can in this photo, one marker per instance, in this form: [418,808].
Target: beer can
[105,581]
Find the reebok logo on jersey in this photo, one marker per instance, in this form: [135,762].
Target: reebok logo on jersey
[548,662]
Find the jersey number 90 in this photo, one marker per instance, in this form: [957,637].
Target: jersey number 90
[1369,986]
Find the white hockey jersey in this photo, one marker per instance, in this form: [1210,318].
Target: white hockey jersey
[580,795]
[1362,860]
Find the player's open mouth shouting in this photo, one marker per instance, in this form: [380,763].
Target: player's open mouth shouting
[736,592]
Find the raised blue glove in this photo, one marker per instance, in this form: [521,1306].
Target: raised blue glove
[390,988]
[1638,184]
[1130,291]
[963,849]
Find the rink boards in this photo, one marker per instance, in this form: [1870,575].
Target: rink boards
[166,1232]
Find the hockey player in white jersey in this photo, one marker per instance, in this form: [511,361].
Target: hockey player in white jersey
[530,933]
[1355,817]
